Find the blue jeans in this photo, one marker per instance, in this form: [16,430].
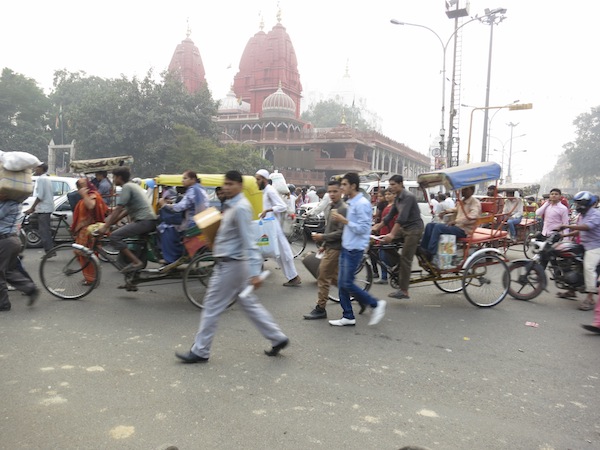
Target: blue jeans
[350,261]
[431,236]
[511,225]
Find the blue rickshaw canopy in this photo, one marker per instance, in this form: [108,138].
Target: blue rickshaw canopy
[459,177]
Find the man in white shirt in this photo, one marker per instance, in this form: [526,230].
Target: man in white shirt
[43,205]
[312,195]
[274,206]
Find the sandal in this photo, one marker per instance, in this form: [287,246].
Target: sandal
[567,294]
[587,305]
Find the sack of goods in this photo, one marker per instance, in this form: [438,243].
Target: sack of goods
[15,175]
[278,182]
[265,232]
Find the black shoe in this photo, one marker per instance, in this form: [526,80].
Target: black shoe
[277,348]
[190,357]
[5,307]
[35,294]
[317,313]
[591,328]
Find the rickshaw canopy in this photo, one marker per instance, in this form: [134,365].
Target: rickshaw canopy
[525,189]
[213,180]
[100,164]
[459,177]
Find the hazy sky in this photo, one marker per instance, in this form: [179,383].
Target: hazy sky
[543,53]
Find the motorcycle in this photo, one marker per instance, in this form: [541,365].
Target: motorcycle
[564,260]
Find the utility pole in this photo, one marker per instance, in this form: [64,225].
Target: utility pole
[508,175]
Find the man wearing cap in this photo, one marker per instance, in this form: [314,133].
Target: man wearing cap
[274,206]
[43,205]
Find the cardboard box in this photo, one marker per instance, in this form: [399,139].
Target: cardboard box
[209,221]
[15,185]
[446,251]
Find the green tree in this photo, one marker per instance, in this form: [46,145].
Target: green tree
[582,154]
[191,150]
[23,115]
[110,117]
[330,113]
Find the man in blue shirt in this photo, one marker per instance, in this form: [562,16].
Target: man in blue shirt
[355,239]
[10,245]
[238,264]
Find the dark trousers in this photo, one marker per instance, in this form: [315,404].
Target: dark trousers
[45,231]
[10,271]
[117,238]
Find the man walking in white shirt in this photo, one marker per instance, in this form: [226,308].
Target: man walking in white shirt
[274,206]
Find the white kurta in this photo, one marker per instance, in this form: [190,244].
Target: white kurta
[272,200]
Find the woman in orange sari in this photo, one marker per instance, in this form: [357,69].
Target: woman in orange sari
[89,210]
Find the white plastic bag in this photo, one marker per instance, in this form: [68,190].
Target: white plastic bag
[17,161]
[266,237]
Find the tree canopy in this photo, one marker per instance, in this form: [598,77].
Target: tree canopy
[110,117]
[582,154]
[24,122]
[330,113]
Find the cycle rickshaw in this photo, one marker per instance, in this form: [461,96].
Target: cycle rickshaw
[72,271]
[477,268]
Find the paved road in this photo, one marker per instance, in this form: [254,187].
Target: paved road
[100,373]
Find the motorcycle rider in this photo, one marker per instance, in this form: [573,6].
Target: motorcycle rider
[588,228]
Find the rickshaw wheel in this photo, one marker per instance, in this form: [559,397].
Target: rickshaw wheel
[451,285]
[486,280]
[63,272]
[196,277]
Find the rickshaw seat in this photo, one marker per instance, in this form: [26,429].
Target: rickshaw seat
[481,234]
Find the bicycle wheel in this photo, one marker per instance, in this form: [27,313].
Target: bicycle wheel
[486,280]
[196,277]
[297,240]
[363,278]
[526,284]
[450,284]
[68,273]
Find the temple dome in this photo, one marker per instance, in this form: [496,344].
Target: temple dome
[279,104]
[233,105]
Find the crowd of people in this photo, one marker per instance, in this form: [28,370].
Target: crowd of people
[350,221]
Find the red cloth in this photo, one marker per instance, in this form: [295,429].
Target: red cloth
[386,229]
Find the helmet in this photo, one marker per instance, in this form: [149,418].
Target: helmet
[584,200]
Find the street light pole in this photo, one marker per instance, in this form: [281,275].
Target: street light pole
[490,18]
[444,48]
[512,127]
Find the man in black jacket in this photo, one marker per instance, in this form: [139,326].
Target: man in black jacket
[332,244]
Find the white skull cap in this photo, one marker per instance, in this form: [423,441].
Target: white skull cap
[263,173]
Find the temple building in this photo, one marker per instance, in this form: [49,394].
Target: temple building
[263,109]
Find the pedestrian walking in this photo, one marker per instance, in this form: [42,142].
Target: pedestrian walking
[11,270]
[43,205]
[274,206]
[237,264]
[330,250]
[355,239]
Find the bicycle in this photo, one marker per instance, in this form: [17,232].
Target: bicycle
[32,233]
[72,271]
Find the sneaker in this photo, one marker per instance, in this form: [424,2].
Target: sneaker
[343,322]
[378,312]
[317,313]
[382,281]
[296,281]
